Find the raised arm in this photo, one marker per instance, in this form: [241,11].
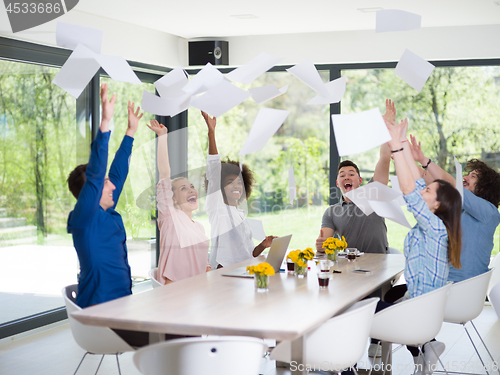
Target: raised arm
[434,171]
[211,123]
[108,108]
[381,173]
[163,162]
[133,119]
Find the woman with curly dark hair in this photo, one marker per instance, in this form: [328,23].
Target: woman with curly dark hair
[227,187]
[480,216]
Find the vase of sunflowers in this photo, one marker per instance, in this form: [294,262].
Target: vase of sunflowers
[332,246]
[261,273]
[300,258]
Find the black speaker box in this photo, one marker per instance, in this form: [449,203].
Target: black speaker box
[215,52]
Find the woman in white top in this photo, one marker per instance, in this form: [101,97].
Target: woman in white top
[231,234]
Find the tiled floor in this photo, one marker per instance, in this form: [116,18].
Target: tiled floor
[53,352]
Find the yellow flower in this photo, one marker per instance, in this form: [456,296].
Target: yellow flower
[261,269]
[331,244]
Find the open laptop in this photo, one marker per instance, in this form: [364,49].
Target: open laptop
[274,258]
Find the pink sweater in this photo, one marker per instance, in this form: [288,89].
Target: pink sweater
[183,243]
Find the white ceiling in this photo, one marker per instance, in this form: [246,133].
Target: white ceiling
[216,18]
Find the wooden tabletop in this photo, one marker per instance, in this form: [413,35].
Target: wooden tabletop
[219,305]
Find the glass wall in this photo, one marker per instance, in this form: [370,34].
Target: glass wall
[302,142]
[38,136]
[455,115]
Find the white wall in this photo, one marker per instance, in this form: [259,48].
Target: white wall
[158,48]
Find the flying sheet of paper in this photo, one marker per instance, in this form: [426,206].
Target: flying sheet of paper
[253,69]
[381,199]
[164,107]
[395,185]
[336,89]
[396,20]
[459,184]
[308,74]
[204,80]
[292,189]
[77,71]
[390,210]
[257,229]
[170,85]
[118,68]
[220,99]
[359,132]
[413,69]
[69,36]
[266,123]
[264,93]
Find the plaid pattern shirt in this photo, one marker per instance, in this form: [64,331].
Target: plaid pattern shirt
[426,247]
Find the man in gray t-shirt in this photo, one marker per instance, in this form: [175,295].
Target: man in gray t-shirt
[366,233]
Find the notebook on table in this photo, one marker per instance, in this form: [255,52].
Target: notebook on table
[274,258]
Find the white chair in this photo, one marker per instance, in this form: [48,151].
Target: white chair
[494,297]
[465,303]
[221,355]
[94,340]
[153,275]
[337,344]
[495,276]
[412,322]
[393,250]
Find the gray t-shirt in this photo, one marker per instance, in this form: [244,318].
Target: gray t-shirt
[366,233]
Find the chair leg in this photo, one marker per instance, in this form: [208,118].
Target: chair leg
[118,363]
[484,344]
[373,361]
[99,364]
[439,360]
[80,362]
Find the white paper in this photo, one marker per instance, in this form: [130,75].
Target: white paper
[390,210]
[164,107]
[257,229]
[266,123]
[220,99]
[292,189]
[170,85]
[118,68]
[253,69]
[359,132]
[359,199]
[77,71]
[459,179]
[413,69]
[69,36]
[397,20]
[264,93]
[204,80]
[336,90]
[308,74]
[395,185]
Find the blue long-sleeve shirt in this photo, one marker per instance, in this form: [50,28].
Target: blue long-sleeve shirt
[99,236]
[426,247]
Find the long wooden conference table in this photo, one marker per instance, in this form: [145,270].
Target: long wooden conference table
[213,304]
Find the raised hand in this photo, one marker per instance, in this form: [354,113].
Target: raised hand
[210,121]
[133,119]
[268,241]
[158,128]
[390,111]
[396,131]
[416,150]
[108,108]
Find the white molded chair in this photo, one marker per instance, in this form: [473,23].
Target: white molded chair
[495,276]
[412,322]
[393,250]
[340,342]
[94,340]
[221,355]
[494,297]
[153,275]
[465,303]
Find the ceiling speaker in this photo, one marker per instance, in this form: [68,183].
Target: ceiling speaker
[215,52]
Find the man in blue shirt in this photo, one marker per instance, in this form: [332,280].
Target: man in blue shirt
[98,232]
[480,216]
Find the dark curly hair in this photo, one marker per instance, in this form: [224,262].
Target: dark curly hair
[488,181]
[76,179]
[232,167]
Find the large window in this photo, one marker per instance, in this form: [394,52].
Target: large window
[38,136]
[302,142]
[455,115]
